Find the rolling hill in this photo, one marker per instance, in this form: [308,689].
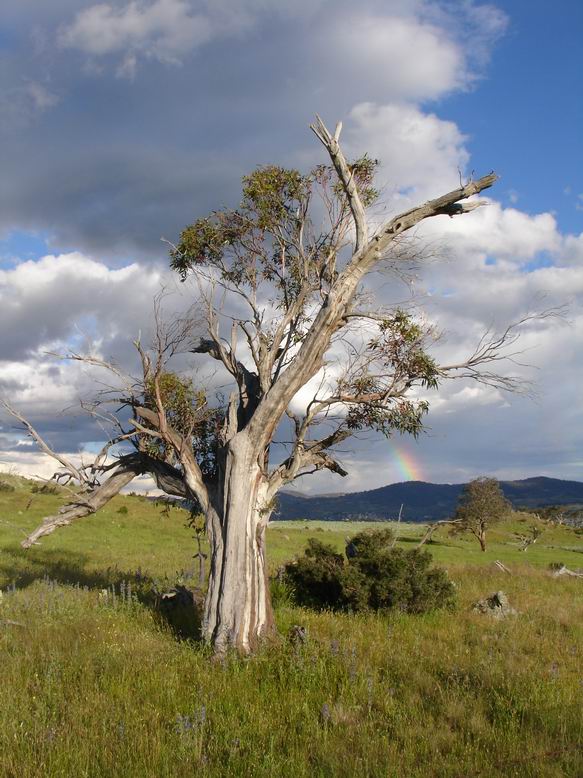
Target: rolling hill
[422,501]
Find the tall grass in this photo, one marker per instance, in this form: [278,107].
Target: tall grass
[93,684]
[90,686]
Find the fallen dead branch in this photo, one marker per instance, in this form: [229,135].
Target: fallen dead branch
[563,570]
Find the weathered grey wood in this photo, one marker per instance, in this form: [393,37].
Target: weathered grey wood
[433,527]
[565,571]
[89,504]
[69,467]
[166,477]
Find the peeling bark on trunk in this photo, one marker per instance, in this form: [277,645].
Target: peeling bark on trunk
[238,611]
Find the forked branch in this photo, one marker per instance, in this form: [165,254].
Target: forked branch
[346,178]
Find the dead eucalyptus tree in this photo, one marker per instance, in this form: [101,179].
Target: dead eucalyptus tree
[297,320]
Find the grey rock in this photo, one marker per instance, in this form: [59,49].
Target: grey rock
[298,635]
[496,605]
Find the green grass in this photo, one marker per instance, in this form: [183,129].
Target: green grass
[92,687]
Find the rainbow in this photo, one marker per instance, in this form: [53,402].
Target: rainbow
[407,467]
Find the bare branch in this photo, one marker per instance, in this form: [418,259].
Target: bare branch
[167,478]
[446,205]
[214,348]
[494,348]
[89,359]
[193,476]
[75,472]
[427,536]
[127,469]
[346,177]
[306,454]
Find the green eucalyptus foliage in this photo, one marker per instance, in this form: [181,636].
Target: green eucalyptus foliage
[273,194]
[395,354]
[363,171]
[401,343]
[245,244]
[270,240]
[187,413]
[375,576]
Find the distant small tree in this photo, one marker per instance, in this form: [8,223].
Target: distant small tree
[481,504]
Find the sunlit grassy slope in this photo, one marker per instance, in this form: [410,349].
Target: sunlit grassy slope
[92,687]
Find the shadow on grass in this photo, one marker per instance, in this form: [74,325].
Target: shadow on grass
[427,544]
[174,603]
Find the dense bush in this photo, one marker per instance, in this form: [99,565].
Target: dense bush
[375,575]
[315,577]
[44,489]
[6,487]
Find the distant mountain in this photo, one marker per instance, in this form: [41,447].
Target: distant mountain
[421,501]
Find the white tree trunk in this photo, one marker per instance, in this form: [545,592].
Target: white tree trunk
[238,611]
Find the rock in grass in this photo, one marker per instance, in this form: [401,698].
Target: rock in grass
[180,598]
[298,635]
[496,605]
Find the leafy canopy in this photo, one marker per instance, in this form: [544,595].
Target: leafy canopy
[186,411]
[481,503]
[270,241]
[270,237]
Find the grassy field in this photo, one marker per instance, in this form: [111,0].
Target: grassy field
[96,686]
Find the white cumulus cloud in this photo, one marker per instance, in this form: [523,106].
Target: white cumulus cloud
[164,30]
[421,154]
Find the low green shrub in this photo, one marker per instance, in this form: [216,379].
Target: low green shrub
[375,575]
[282,594]
[315,578]
[44,489]
[6,487]
[123,510]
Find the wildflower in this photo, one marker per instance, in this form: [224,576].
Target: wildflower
[183,724]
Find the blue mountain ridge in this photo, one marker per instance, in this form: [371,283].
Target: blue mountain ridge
[421,501]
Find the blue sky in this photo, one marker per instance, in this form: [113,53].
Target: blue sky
[120,122]
[525,116]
